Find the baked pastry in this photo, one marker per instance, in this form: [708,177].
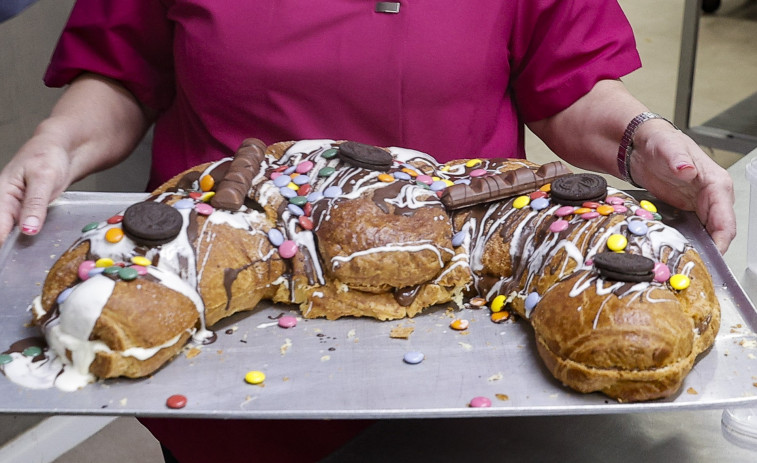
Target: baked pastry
[346,229]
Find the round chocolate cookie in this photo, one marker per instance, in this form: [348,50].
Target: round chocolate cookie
[624,267]
[152,224]
[365,156]
[576,189]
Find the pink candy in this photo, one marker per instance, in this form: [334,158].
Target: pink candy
[478,172]
[304,167]
[287,321]
[644,214]
[661,272]
[558,225]
[288,249]
[480,402]
[84,269]
[204,208]
[564,210]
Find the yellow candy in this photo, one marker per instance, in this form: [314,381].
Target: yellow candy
[472,162]
[254,377]
[617,242]
[582,210]
[114,235]
[293,186]
[547,187]
[679,281]
[207,195]
[460,324]
[104,262]
[648,206]
[448,182]
[141,260]
[521,202]
[206,183]
[388,178]
[498,303]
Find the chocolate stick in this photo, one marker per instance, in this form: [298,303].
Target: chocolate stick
[233,189]
[501,185]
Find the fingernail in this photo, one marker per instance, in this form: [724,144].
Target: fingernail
[683,166]
[30,226]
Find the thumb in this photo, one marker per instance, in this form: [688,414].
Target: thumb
[34,209]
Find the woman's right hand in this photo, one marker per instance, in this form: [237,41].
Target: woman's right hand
[95,124]
[38,173]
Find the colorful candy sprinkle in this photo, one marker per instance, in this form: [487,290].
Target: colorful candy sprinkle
[104,262]
[644,214]
[679,281]
[477,302]
[539,203]
[477,172]
[537,194]
[498,303]
[424,179]
[282,180]
[32,351]
[141,260]
[176,401]
[254,377]
[499,317]
[288,249]
[287,321]
[648,206]
[590,215]
[204,209]
[413,358]
[559,225]
[305,222]
[637,227]
[304,167]
[605,209]
[458,238]
[184,203]
[84,269]
[531,301]
[661,272]
[521,201]
[114,235]
[617,242]
[275,237]
[329,153]
[128,273]
[298,200]
[472,162]
[116,219]
[386,178]
[207,182]
[480,402]
[564,211]
[90,226]
[614,200]
[459,324]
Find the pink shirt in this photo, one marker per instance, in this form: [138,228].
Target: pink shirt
[451,78]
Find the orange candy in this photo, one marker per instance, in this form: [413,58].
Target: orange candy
[459,324]
[114,235]
[386,178]
[605,209]
[206,183]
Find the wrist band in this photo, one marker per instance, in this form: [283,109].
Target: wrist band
[626,144]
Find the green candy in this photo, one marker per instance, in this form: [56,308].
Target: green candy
[326,171]
[127,274]
[90,226]
[32,351]
[329,153]
[298,200]
[112,270]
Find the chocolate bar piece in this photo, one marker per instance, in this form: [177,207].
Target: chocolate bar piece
[501,185]
[233,189]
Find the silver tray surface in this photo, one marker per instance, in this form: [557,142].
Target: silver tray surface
[352,368]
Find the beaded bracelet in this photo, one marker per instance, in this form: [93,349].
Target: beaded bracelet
[626,144]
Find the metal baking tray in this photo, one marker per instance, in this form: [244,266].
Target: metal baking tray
[352,368]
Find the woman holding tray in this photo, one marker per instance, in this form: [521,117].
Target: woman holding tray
[447,78]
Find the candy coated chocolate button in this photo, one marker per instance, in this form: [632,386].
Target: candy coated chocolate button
[661,272]
[366,156]
[176,401]
[480,402]
[288,249]
[275,237]
[152,223]
[254,377]
[460,324]
[287,321]
[413,358]
[637,227]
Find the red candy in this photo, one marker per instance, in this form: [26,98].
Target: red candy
[115,219]
[305,222]
[176,401]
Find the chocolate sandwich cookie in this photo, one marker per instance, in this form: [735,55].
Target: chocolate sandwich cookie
[365,156]
[576,189]
[624,267]
[152,224]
